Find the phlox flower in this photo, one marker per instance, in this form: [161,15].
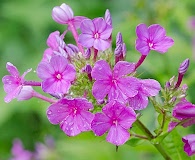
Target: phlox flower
[95,33]
[57,75]
[183,110]
[72,114]
[148,87]
[116,119]
[152,38]
[116,84]
[189,144]
[13,83]
[63,14]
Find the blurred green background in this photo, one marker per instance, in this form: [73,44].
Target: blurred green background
[24,28]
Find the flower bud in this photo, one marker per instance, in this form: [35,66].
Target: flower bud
[26,93]
[62,14]
[87,53]
[189,143]
[108,17]
[119,39]
[184,66]
[118,50]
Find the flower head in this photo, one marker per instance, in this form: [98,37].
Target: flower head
[116,119]
[189,144]
[64,15]
[148,87]
[57,75]
[114,83]
[152,38]
[13,83]
[72,114]
[95,33]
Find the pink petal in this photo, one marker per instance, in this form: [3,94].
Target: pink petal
[44,70]
[117,135]
[138,102]
[57,112]
[142,47]
[142,32]
[12,69]
[100,124]
[86,40]
[59,15]
[52,41]
[150,87]
[106,33]
[164,45]
[83,104]
[123,68]
[69,73]
[47,55]
[77,21]
[128,86]
[87,27]
[156,32]
[67,10]
[101,89]
[13,94]
[101,44]
[101,71]
[100,25]
[58,63]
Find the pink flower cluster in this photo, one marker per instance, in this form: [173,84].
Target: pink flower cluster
[90,92]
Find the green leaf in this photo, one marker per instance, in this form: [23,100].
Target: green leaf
[174,146]
[134,142]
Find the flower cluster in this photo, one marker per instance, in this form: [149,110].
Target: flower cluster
[90,92]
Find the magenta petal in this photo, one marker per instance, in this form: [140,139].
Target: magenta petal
[101,44]
[47,55]
[123,68]
[117,135]
[101,89]
[87,27]
[58,63]
[84,120]
[86,40]
[142,32]
[100,24]
[138,102]
[171,126]
[101,71]
[52,41]
[57,112]
[44,70]
[129,86]
[13,94]
[106,33]
[77,21]
[69,73]
[189,142]
[142,47]
[164,45]
[156,32]
[150,87]
[12,69]
[100,124]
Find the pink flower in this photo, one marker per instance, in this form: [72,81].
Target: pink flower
[116,84]
[116,119]
[19,153]
[13,83]
[189,144]
[148,87]
[72,114]
[64,15]
[57,75]
[183,110]
[152,38]
[95,33]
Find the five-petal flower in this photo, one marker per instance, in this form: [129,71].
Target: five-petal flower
[152,38]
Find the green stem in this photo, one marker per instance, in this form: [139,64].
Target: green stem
[150,136]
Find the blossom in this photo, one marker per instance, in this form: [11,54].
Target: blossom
[57,75]
[116,119]
[95,33]
[72,114]
[148,87]
[13,83]
[114,83]
[26,93]
[189,144]
[19,153]
[183,110]
[64,15]
[152,38]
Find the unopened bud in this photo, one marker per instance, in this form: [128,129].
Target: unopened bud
[108,17]
[118,50]
[184,66]
[87,53]
[119,39]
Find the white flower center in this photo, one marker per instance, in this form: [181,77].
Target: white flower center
[97,36]
[59,76]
